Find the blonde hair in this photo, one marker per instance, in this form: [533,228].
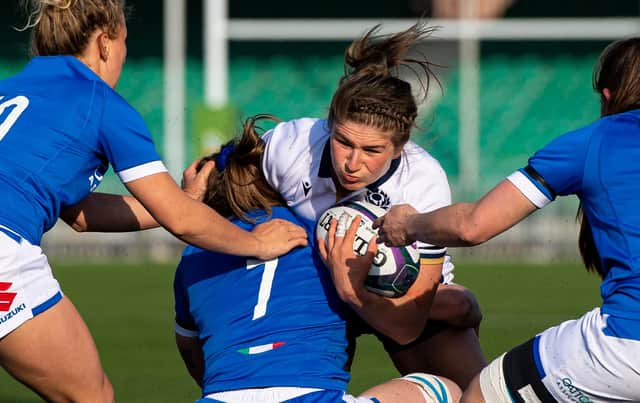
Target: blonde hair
[64,27]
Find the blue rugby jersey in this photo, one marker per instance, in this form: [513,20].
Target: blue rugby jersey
[262,324]
[60,127]
[600,163]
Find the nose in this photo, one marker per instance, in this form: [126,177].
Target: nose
[352,164]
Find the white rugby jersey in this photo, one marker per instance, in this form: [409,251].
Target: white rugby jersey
[297,163]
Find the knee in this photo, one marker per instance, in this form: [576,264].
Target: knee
[435,389]
[458,307]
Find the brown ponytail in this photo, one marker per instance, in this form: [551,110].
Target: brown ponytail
[241,187]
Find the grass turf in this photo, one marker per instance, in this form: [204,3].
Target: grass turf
[129,311]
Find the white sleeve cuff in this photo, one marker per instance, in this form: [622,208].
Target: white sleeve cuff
[140,171]
[528,189]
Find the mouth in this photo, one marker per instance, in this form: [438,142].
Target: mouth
[349,179]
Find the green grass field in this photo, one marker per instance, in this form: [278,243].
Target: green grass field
[129,310]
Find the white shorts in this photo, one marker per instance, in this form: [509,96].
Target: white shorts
[573,362]
[27,285]
[447,270]
[280,394]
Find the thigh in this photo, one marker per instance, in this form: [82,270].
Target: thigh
[514,377]
[54,354]
[451,352]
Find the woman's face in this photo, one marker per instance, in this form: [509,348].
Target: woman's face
[360,154]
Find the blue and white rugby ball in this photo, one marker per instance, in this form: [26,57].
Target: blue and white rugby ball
[394,269]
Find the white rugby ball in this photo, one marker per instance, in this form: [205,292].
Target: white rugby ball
[394,269]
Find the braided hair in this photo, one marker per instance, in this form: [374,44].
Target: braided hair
[370,91]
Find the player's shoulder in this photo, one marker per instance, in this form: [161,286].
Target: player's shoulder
[297,133]
[291,149]
[419,161]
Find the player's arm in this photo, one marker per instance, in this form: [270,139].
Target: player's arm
[461,224]
[102,212]
[190,350]
[195,223]
[401,319]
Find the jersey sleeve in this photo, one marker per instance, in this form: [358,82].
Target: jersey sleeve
[556,169]
[184,322]
[428,189]
[126,141]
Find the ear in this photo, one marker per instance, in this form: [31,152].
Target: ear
[397,151]
[104,43]
[606,93]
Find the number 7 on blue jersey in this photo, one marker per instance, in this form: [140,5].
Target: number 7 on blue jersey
[20,104]
[264,292]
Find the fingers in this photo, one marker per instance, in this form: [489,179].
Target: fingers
[322,248]
[331,234]
[298,237]
[343,223]
[194,184]
[353,228]
[193,165]
[206,169]
[297,241]
[373,246]
[378,222]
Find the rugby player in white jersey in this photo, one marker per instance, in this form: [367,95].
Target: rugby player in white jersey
[362,151]
[274,330]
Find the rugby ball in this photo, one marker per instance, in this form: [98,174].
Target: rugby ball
[394,269]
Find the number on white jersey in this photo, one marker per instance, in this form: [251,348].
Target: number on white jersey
[264,293]
[20,104]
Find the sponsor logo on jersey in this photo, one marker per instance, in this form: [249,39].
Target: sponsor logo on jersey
[6,298]
[306,187]
[572,392]
[95,179]
[378,197]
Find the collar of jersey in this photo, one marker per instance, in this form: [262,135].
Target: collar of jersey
[61,65]
[325,167]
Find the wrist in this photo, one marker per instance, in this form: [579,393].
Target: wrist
[411,227]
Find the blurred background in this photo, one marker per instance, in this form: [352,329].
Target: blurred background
[514,74]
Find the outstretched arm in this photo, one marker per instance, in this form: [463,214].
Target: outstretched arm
[102,212]
[195,223]
[461,224]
